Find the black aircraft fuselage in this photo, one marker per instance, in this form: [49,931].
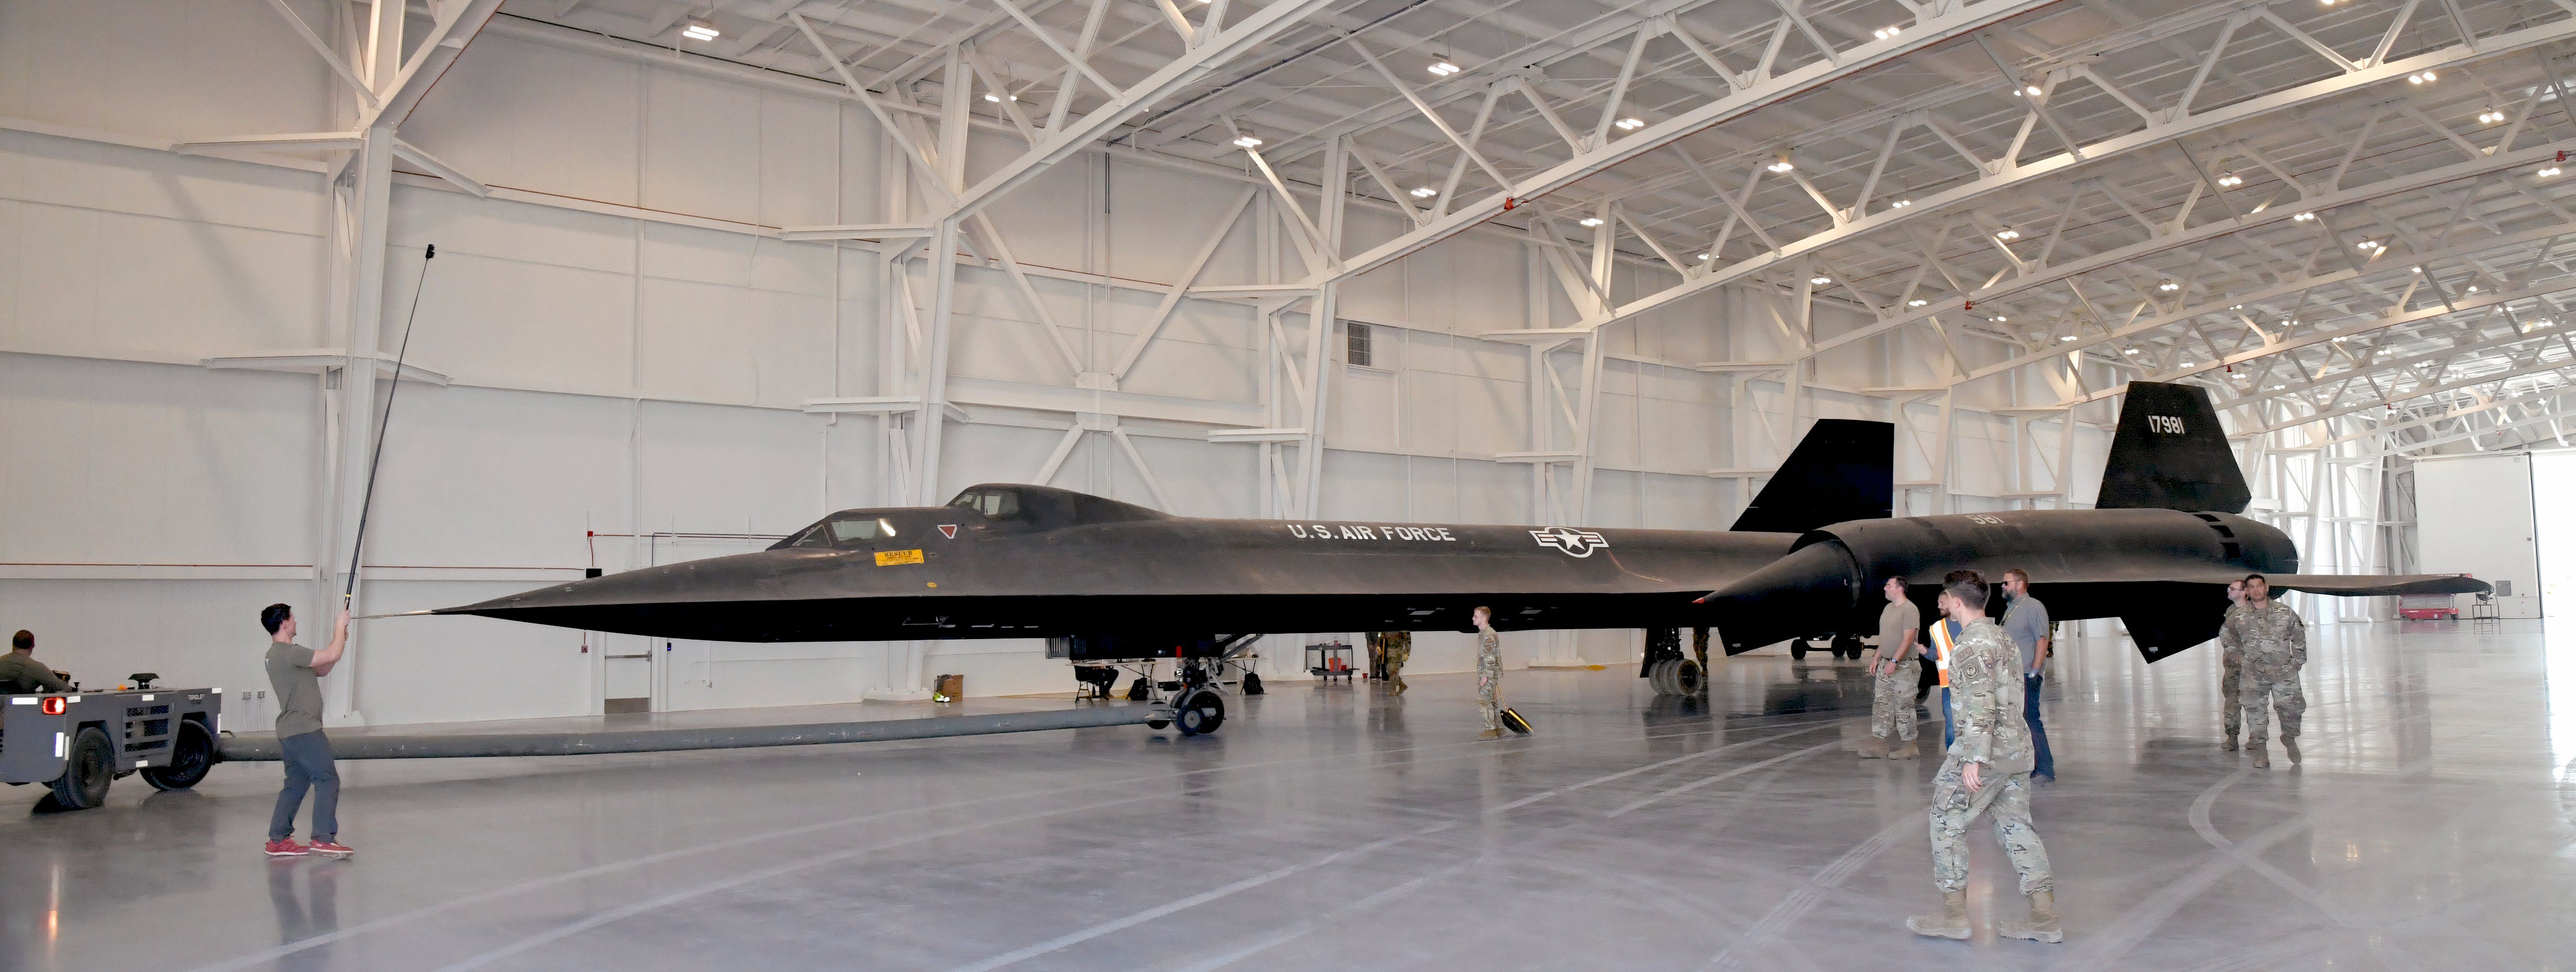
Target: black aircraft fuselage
[1809,557]
[1054,562]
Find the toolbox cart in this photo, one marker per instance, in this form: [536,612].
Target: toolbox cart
[76,743]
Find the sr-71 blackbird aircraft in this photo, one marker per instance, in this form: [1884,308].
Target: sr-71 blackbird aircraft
[1806,558]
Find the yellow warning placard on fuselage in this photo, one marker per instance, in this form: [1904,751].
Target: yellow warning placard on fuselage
[889,558]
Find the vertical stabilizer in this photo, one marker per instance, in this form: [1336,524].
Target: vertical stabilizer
[1845,469]
[2169,453]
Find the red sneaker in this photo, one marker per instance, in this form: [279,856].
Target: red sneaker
[333,850]
[287,847]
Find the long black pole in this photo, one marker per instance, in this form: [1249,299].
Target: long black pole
[367,504]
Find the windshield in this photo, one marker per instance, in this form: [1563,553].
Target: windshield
[853,530]
[1000,504]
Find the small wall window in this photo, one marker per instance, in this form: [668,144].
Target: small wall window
[1358,335]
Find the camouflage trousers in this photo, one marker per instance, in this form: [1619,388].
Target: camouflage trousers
[2277,688]
[1891,708]
[2003,797]
[1489,673]
[2231,687]
[1395,659]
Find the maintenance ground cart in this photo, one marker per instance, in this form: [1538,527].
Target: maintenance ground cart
[78,742]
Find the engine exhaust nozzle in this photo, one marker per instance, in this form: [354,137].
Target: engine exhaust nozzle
[1815,589]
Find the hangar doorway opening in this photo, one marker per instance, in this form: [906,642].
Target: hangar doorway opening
[629,673]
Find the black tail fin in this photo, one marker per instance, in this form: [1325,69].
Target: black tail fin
[1843,470]
[2169,453]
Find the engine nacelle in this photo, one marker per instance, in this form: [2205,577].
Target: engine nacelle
[1830,579]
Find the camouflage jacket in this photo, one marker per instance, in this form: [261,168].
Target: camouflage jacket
[1985,696]
[2270,636]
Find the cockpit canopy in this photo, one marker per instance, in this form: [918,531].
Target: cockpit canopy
[1018,508]
[1048,508]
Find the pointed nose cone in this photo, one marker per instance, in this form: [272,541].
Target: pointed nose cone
[1813,590]
[642,601]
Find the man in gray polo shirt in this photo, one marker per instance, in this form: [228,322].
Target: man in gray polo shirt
[2026,623]
[295,672]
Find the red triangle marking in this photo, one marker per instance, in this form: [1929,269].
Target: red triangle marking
[948,530]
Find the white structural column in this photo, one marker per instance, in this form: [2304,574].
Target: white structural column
[361,192]
[964,199]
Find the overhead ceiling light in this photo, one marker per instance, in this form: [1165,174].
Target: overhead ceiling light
[2237,307]
[1591,221]
[2303,217]
[2000,319]
[2473,288]
[2230,180]
[700,29]
[2419,269]
[2069,337]
[2490,116]
[2421,77]
[2130,351]
[2368,244]
[1706,256]
[1884,33]
[1630,124]
[1820,281]
[1916,302]
[2547,171]
[1900,204]
[2008,234]
[2168,286]
[997,98]
[2031,90]
[1442,66]
[1783,165]
[1425,192]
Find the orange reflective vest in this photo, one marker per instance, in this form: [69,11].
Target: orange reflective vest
[1941,646]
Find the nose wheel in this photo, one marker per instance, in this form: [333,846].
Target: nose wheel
[1199,712]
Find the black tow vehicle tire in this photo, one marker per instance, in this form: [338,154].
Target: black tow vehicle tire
[89,767]
[1200,712]
[192,754]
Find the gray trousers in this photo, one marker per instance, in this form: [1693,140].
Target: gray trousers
[307,757]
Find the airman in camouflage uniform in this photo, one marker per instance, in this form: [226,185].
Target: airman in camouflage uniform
[1395,648]
[1987,771]
[2231,668]
[1489,672]
[2275,645]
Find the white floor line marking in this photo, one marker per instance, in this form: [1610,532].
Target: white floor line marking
[2142,918]
[1729,774]
[281,951]
[1075,938]
[1808,895]
[618,914]
[1650,767]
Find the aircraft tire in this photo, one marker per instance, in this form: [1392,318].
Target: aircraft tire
[192,754]
[1200,713]
[1686,677]
[1797,649]
[1655,677]
[91,766]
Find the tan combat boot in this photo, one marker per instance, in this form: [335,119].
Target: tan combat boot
[1952,922]
[2262,756]
[1872,747]
[1907,751]
[2291,745]
[1491,734]
[2042,926]
[2230,744]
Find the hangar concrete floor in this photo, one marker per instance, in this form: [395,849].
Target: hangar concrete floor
[2434,826]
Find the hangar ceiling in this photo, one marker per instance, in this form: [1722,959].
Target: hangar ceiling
[2317,208]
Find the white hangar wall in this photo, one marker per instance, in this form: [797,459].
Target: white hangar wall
[628,349]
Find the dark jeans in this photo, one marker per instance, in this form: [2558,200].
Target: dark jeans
[1949,723]
[308,765]
[2043,766]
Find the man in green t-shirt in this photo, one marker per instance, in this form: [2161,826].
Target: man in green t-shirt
[295,672]
[20,671]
